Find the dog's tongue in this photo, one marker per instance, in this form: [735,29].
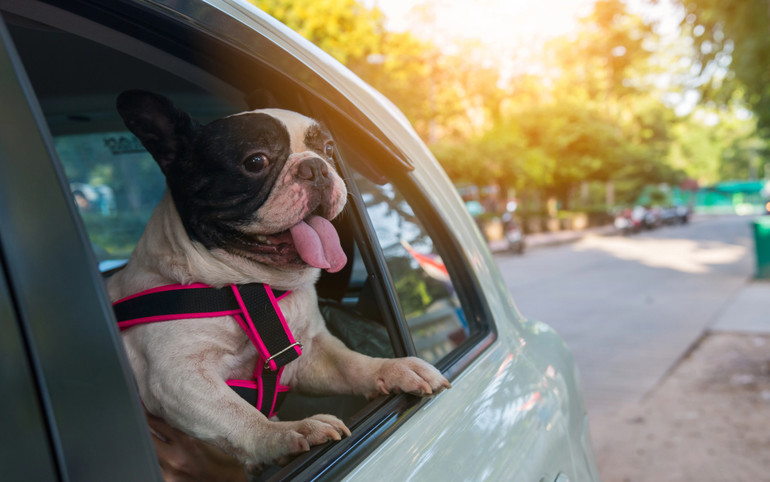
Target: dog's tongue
[318,244]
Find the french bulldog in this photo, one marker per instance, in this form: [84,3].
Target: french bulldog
[250,198]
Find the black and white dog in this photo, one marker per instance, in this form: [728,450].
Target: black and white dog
[249,200]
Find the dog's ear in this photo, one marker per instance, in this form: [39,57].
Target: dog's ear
[164,130]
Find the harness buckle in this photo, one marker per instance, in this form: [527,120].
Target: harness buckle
[267,362]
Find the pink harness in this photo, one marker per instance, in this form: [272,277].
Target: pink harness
[254,306]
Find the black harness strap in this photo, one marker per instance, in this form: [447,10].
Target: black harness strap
[254,306]
[268,320]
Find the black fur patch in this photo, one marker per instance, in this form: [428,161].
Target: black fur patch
[212,190]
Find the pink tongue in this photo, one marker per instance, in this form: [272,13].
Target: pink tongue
[318,244]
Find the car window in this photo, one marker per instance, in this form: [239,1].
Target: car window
[426,293]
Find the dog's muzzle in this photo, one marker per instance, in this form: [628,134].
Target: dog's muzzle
[316,171]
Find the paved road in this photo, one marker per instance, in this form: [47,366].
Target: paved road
[630,307]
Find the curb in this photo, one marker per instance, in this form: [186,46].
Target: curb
[557,238]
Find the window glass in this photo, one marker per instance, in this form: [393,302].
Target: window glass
[425,290]
[115,184]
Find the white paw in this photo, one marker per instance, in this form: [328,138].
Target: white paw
[293,438]
[408,375]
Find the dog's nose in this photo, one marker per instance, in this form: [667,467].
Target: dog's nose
[313,169]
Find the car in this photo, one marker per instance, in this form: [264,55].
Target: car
[420,282]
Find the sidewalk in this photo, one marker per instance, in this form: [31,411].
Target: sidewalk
[538,240]
[748,313]
[708,419]
[563,237]
[556,238]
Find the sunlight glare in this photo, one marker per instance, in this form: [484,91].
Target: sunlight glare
[496,24]
[684,255]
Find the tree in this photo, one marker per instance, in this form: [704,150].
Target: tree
[437,92]
[602,119]
[589,117]
[732,48]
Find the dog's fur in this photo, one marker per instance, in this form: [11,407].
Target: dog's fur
[224,200]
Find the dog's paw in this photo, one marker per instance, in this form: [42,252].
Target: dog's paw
[321,428]
[408,375]
[294,438]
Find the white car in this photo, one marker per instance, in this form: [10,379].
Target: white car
[420,282]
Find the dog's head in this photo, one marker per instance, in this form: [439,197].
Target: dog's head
[260,185]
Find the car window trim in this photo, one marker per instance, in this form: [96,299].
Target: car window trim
[469,292]
[376,264]
[458,265]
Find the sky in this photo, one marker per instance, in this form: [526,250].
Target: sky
[508,33]
[504,29]
[505,33]
[494,22]
[505,22]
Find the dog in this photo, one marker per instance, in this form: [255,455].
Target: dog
[249,199]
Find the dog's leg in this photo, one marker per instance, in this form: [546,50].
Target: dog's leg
[239,429]
[330,367]
[196,399]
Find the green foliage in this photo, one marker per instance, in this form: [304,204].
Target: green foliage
[731,47]
[343,28]
[710,154]
[591,124]
[732,34]
[593,114]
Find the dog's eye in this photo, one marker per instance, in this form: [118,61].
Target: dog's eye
[256,162]
[329,149]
